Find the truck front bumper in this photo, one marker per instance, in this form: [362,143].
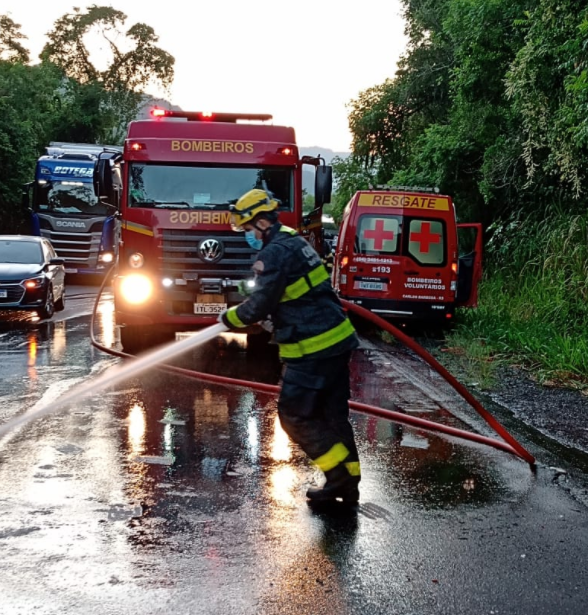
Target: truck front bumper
[182,305]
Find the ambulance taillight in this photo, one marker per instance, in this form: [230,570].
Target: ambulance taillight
[454,270]
[342,271]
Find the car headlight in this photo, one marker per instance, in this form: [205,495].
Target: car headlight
[33,283]
[136,260]
[136,288]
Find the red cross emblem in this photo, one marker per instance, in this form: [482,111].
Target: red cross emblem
[379,235]
[425,238]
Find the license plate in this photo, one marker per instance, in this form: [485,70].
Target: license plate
[3,294]
[371,285]
[209,308]
[68,270]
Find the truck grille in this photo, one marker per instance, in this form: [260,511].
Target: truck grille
[76,248]
[181,256]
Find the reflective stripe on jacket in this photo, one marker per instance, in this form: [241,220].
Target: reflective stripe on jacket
[293,287]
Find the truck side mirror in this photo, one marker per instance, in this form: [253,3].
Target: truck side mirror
[26,195]
[323,184]
[103,178]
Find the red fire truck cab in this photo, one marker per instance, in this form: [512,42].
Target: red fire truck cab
[397,255]
[180,264]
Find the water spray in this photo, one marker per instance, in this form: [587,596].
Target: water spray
[117,374]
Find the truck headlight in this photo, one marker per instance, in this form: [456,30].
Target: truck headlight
[106,257]
[136,288]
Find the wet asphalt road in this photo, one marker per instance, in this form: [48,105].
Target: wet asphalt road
[166,495]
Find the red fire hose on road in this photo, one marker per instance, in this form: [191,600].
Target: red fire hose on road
[508,444]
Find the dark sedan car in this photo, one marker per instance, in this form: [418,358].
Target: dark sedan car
[32,277]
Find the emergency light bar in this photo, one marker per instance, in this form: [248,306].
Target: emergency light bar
[208,116]
[406,188]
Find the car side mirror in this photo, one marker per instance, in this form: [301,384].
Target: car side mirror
[57,261]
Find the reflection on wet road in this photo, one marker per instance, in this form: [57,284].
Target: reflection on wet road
[170,495]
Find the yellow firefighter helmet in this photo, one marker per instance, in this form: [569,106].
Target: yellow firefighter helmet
[251,204]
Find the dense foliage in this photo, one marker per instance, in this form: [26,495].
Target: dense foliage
[65,97]
[490,104]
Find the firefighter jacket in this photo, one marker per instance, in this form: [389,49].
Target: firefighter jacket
[293,288]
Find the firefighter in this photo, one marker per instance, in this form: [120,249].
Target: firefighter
[328,260]
[315,340]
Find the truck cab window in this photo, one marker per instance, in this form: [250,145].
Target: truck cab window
[204,187]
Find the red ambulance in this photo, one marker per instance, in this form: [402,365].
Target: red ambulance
[398,255]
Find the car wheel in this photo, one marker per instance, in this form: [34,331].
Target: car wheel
[60,303]
[48,309]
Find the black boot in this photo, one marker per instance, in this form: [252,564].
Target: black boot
[339,485]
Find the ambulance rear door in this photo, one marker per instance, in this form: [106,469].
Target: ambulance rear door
[402,256]
[470,264]
[427,270]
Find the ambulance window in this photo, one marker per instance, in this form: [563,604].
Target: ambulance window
[377,235]
[426,241]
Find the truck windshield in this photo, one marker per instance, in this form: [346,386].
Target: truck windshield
[68,197]
[204,187]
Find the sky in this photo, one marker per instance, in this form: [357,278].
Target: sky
[302,62]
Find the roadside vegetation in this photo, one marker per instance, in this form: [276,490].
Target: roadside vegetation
[63,96]
[533,303]
[490,104]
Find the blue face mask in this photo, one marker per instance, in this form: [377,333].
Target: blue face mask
[252,240]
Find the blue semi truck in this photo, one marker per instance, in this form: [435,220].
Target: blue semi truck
[63,207]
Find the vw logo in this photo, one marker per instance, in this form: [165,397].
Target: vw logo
[210,250]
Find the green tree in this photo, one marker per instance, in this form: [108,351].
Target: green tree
[28,105]
[352,174]
[11,49]
[445,119]
[548,87]
[135,64]
[65,97]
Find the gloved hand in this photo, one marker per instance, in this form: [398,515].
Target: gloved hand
[244,288]
[267,325]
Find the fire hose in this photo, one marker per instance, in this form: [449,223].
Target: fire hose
[508,443]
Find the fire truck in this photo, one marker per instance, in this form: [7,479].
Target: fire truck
[180,264]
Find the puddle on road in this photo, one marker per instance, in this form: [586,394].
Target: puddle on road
[225,446]
[420,466]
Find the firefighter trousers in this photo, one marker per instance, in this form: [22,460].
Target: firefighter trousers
[314,411]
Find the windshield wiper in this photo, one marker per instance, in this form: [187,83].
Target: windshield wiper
[174,204]
[213,205]
[161,205]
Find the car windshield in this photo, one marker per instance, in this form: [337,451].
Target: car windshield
[169,186]
[22,252]
[69,197]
